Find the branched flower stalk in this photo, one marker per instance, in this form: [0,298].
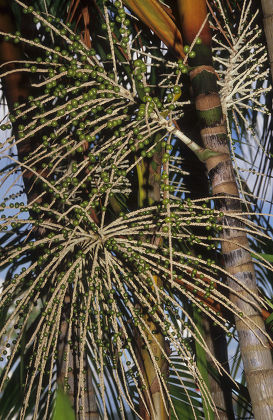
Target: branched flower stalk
[82,255]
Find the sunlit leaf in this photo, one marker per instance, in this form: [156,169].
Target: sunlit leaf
[267,257]
[155,17]
[63,409]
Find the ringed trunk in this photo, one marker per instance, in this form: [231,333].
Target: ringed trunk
[254,345]
[198,185]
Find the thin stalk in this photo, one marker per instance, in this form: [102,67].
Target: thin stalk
[220,386]
[201,152]
[158,411]
[254,344]
[66,379]
[149,192]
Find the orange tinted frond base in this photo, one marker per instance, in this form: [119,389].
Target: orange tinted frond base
[154,15]
[193,13]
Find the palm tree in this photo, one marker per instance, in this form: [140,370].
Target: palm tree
[106,275]
[238,261]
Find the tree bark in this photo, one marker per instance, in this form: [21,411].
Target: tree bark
[267,6]
[254,345]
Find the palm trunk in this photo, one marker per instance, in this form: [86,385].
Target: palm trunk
[267,6]
[255,348]
[150,192]
[68,381]
[158,411]
[220,387]
[16,88]
[197,184]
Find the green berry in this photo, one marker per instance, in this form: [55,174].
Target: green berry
[176,89]
[198,41]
